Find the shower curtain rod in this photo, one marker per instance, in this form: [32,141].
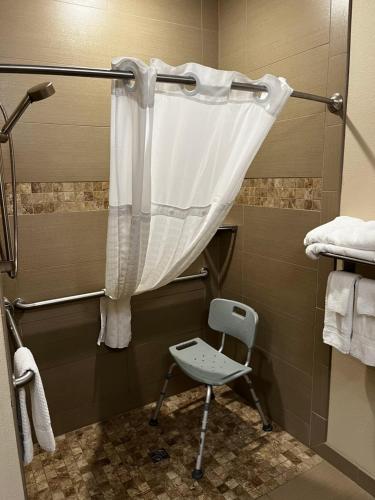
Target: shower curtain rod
[334,103]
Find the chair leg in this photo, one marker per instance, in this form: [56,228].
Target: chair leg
[198,472]
[267,426]
[154,419]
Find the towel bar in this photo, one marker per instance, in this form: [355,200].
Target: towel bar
[29,375]
[350,259]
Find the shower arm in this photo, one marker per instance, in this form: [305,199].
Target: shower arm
[9,254]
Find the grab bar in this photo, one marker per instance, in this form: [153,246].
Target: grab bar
[21,304]
[9,255]
[29,374]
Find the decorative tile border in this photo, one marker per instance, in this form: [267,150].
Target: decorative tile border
[299,193]
[303,193]
[50,197]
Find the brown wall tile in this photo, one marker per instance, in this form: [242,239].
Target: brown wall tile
[264,226]
[293,148]
[275,380]
[318,429]
[61,239]
[320,395]
[285,288]
[322,352]
[288,338]
[48,152]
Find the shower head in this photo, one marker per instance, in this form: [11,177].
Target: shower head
[36,93]
[40,91]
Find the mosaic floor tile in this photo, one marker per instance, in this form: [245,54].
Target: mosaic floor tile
[110,460]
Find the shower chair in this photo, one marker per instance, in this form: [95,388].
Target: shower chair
[211,367]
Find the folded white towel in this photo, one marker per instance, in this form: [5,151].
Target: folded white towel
[363,340]
[338,319]
[315,249]
[23,361]
[343,231]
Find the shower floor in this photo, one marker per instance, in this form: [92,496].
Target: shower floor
[111,459]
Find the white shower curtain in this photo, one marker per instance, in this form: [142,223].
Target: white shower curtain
[178,159]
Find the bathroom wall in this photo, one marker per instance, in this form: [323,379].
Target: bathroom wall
[62,152]
[11,479]
[292,186]
[351,429]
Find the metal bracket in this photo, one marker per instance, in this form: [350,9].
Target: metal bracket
[337,103]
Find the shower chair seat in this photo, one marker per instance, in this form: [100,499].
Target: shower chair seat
[211,367]
[201,362]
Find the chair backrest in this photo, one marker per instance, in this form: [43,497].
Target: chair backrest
[233,318]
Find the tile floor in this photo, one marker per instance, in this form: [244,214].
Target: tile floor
[111,459]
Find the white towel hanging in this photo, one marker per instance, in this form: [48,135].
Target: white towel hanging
[338,320]
[363,340]
[23,361]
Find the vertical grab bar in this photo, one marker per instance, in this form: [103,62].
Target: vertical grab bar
[10,253]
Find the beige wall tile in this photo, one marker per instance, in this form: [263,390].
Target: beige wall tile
[339,34]
[186,12]
[80,101]
[51,32]
[277,30]
[333,153]
[337,82]
[146,38]
[96,4]
[210,14]
[210,48]
[293,148]
[232,29]
[49,152]
[306,72]
[330,205]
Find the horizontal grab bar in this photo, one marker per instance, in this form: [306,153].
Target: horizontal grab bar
[21,304]
[29,374]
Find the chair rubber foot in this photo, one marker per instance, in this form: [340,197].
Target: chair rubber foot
[153,421]
[197,474]
[267,428]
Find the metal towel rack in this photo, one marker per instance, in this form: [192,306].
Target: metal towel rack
[29,374]
[346,258]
